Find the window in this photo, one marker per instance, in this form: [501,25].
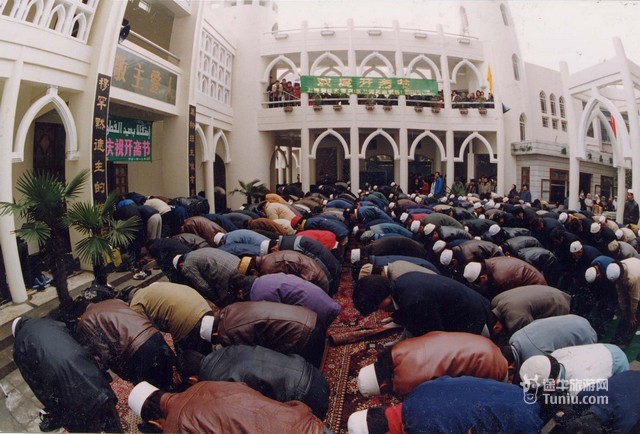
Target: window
[558,185]
[505,17]
[564,126]
[561,102]
[525,174]
[516,70]
[552,104]
[545,121]
[523,127]
[606,186]
[543,102]
[215,69]
[554,124]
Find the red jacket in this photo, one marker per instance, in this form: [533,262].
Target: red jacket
[326,238]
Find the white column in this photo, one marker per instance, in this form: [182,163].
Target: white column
[444,70]
[403,180]
[355,159]
[305,177]
[8,242]
[632,109]
[572,130]
[209,184]
[450,155]
[471,165]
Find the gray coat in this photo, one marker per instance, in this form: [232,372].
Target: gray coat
[208,271]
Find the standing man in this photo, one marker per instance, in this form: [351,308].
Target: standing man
[631,212]
[438,185]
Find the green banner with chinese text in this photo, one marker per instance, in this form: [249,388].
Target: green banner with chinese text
[128,139]
[368,85]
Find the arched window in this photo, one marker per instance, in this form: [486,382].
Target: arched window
[561,103]
[523,127]
[552,104]
[465,20]
[516,68]
[505,17]
[543,102]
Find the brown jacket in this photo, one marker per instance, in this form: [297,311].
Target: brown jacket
[113,331]
[507,273]
[293,262]
[266,225]
[437,354]
[203,227]
[279,327]
[234,408]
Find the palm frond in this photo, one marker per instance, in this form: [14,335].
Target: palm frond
[109,205]
[42,192]
[13,208]
[93,249]
[35,231]
[85,217]
[122,232]
[76,184]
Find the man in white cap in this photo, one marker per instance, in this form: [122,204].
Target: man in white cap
[244,236]
[457,257]
[64,377]
[446,404]
[626,276]
[208,271]
[390,246]
[219,406]
[631,212]
[498,274]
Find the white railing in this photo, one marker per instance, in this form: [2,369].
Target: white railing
[71,18]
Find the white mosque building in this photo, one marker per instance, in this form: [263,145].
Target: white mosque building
[169,98]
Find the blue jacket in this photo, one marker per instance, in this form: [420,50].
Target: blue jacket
[224,221]
[329,224]
[467,404]
[241,249]
[244,236]
[391,228]
[438,187]
[367,214]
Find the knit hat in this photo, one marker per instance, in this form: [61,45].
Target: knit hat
[243,266]
[368,381]
[355,255]
[494,229]
[534,370]
[264,247]
[595,228]
[295,221]
[415,226]
[14,326]
[613,271]
[439,246]
[429,228]
[365,270]
[218,238]
[357,423]
[619,234]
[563,217]
[139,395]
[590,274]
[206,327]
[445,257]
[576,246]
[613,246]
[175,261]
[472,271]
[404,216]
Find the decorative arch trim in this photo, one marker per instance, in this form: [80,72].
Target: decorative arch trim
[61,107]
[205,145]
[280,58]
[329,132]
[470,137]
[473,68]
[428,61]
[375,55]
[225,143]
[328,55]
[621,143]
[380,132]
[436,139]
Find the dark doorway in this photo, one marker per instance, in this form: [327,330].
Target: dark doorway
[585,182]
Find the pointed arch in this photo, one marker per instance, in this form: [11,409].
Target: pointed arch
[621,143]
[203,140]
[328,55]
[383,133]
[58,12]
[436,139]
[470,137]
[428,61]
[329,132]
[476,72]
[39,5]
[81,20]
[274,62]
[376,55]
[225,143]
[61,107]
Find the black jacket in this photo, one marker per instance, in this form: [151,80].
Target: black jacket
[62,374]
[631,213]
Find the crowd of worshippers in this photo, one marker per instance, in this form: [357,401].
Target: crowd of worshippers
[502,305]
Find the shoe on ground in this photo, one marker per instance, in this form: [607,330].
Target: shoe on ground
[48,422]
[140,275]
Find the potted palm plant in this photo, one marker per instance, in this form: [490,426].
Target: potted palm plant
[46,210]
[252,190]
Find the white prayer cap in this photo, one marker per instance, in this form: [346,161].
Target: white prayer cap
[602,219]
[472,271]
[175,261]
[14,325]
[391,205]
[563,217]
[446,256]
[595,228]
[206,327]
[217,238]
[357,423]
[139,395]
[494,229]
[368,381]
[429,228]
[415,226]
[576,246]
[535,370]
[590,274]
[355,255]
[418,200]
[355,229]
[439,246]
[404,216]
[477,205]
[613,272]
[619,234]
[264,247]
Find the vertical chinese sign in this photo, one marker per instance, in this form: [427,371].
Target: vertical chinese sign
[192,150]
[99,137]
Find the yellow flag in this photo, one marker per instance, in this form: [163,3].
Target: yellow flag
[490,79]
